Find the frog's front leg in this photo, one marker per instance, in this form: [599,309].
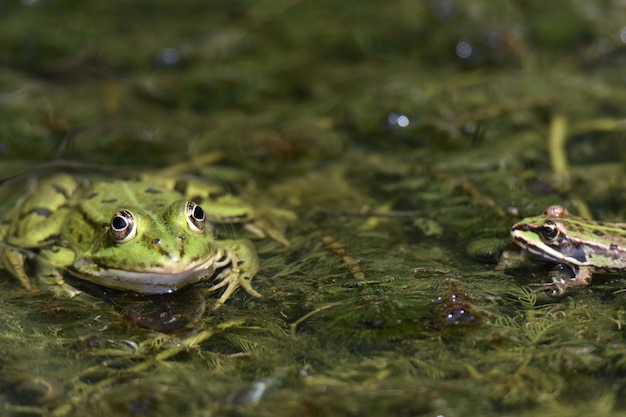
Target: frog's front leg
[52,261]
[558,286]
[13,261]
[240,264]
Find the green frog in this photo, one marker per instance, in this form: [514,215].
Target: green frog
[147,235]
[585,246]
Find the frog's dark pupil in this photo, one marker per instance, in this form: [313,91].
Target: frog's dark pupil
[195,216]
[198,213]
[119,223]
[549,230]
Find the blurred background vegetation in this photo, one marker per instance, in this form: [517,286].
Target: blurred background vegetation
[407,136]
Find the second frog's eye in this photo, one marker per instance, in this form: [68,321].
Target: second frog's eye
[549,230]
[195,217]
[123,226]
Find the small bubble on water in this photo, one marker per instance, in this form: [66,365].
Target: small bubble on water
[169,56]
[399,120]
[464,49]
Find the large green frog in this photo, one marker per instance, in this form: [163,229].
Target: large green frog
[148,235]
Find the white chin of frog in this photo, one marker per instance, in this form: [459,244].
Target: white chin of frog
[147,282]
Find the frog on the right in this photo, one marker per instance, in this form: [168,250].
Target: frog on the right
[585,246]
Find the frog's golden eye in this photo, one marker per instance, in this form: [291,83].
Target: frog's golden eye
[549,231]
[123,226]
[195,217]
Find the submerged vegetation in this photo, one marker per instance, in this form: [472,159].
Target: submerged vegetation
[406,138]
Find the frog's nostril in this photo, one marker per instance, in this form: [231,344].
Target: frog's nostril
[156,241]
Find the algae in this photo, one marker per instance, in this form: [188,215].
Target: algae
[407,139]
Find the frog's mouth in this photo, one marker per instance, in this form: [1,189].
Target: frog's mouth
[523,237]
[155,281]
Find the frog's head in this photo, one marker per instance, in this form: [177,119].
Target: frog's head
[544,235]
[553,238]
[152,252]
[541,236]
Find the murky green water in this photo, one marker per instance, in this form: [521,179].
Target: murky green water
[407,137]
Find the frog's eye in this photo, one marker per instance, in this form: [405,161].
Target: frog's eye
[123,226]
[549,231]
[195,217]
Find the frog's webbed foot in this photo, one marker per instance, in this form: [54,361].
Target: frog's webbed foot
[50,270]
[271,222]
[553,289]
[13,261]
[53,279]
[558,286]
[240,264]
[224,208]
[262,230]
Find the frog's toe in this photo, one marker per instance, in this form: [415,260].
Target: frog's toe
[245,283]
[263,230]
[230,290]
[13,261]
[552,289]
[52,278]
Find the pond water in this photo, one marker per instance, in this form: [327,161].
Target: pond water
[395,144]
